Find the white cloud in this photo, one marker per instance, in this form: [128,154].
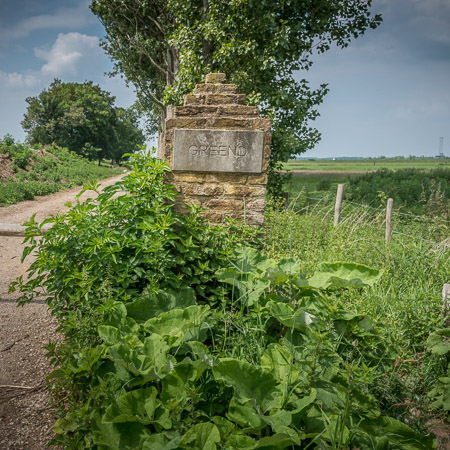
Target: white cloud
[66,54]
[76,17]
[18,80]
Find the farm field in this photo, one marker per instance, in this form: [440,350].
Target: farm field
[364,165]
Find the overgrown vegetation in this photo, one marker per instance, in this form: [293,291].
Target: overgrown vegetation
[43,170]
[178,334]
[83,118]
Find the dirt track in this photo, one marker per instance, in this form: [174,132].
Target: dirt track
[25,416]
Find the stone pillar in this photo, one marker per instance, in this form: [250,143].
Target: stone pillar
[218,149]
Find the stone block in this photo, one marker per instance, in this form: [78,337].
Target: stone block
[256,204]
[214,99]
[226,178]
[244,190]
[225,204]
[202,189]
[189,177]
[215,88]
[257,178]
[215,78]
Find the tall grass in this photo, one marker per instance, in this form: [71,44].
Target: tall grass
[406,302]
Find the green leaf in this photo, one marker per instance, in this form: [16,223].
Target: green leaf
[150,360]
[344,275]
[151,304]
[278,441]
[250,383]
[135,406]
[279,361]
[181,325]
[284,313]
[239,442]
[203,436]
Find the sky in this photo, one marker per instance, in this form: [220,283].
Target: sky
[389,90]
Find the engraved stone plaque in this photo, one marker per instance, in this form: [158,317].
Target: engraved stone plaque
[218,150]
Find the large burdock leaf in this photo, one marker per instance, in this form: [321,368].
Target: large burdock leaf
[149,360]
[251,260]
[135,406]
[297,319]
[251,383]
[181,325]
[279,361]
[344,275]
[203,436]
[151,304]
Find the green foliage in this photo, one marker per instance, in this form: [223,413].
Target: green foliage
[177,336]
[405,304]
[165,48]
[83,118]
[44,174]
[409,187]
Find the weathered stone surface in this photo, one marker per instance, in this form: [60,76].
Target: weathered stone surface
[218,150]
[244,191]
[202,189]
[214,99]
[216,78]
[256,204]
[216,110]
[212,125]
[189,177]
[226,178]
[215,88]
[225,204]
[257,179]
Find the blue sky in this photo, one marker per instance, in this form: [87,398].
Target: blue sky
[389,90]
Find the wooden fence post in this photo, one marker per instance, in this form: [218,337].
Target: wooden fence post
[389,207]
[338,205]
[286,200]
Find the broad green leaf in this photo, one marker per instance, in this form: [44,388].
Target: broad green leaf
[121,436]
[344,275]
[399,433]
[302,403]
[278,360]
[251,260]
[181,325]
[284,313]
[150,360]
[203,436]
[224,426]
[290,266]
[135,406]
[239,442]
[152,304]
[250,383]
[278,420]
[278,441]
[245,415]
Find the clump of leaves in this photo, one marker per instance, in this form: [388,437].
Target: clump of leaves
[177,337]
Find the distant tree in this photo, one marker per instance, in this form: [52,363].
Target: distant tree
[83,118]
[164,47]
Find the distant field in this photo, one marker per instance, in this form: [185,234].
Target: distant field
[364,165]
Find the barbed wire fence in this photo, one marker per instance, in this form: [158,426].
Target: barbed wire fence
[344,213]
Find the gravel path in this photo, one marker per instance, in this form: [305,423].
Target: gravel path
[25,413]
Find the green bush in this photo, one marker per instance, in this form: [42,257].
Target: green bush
[177,336]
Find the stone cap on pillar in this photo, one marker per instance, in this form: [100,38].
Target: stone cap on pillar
[215,78]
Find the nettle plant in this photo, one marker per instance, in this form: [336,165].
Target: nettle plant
[177,336]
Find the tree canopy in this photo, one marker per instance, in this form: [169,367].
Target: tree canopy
[165,47]
[83,118]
